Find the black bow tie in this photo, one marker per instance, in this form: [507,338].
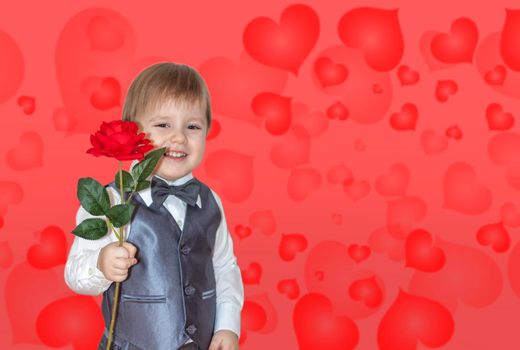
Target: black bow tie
[188,192]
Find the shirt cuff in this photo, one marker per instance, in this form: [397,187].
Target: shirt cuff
[228,317]
[94,274]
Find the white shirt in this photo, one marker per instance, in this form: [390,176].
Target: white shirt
[83,276]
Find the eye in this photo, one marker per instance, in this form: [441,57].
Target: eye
[194,127]
[162,125]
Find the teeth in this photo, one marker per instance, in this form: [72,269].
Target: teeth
[176,154]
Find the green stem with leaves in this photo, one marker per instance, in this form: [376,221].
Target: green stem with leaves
[121,240]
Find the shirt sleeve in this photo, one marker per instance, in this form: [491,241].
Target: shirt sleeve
[81,272]
[229,287]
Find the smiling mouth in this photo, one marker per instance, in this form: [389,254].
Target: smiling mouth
[175,155]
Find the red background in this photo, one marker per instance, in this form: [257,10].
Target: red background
[299,187]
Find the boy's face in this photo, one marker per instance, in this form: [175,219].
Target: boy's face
[182,129]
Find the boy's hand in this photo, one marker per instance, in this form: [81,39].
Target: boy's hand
[224,340]
[114,260]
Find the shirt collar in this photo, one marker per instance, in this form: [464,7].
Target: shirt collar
[146,194]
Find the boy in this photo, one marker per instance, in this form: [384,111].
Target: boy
[183,287]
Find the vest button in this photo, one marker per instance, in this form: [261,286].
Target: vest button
[191,329]
[185,250]
[189,290]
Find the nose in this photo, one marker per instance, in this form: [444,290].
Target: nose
[177,136]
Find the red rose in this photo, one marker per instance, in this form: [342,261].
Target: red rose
[119,139]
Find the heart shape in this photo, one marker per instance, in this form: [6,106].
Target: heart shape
[411,319]
[377,32]
[291,244]
[366,290]
[453,132]
[407,76]
[358,253]
[406,119]
[285,45]
[310,313]
[494,235]
[496,76]
[107,95]
[57,326]
[242,231]
[444,89]
[51,251]
[252,274]
[497,119]
[289,287]
[509,39]
[276,110]
[330,73]
[27,103]
[458,46]
[337,111]
[465,268]
[420,254]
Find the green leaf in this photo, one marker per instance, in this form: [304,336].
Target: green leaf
[93,196]
[144,168]
[128,181]
[119,215]
[91,229]
[142,185]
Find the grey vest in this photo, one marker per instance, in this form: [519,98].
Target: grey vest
[169,295]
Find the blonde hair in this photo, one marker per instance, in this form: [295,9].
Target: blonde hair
[165,82]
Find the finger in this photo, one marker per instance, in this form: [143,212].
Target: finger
[214,345]
[119,272]
[121,252]
[130,248]
[123,263]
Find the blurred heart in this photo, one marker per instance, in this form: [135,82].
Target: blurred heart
[74,320]
[311,313]
[252,274]
[51,251]
[494,235]
[276,110]
[291,244]
[407,76]
[497,119]
[406,119]
[444,89]
[420,253]
[27,103]
[496,76]
[289,287]
[358,253]
[329,73]
[108,95]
